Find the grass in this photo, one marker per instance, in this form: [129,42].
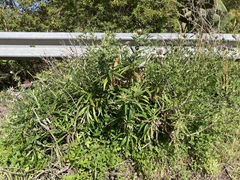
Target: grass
[105,116]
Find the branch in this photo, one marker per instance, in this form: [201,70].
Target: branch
[198,132]
[48,129]
[16,173]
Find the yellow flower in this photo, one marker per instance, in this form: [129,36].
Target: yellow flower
[116,62]
[52,21]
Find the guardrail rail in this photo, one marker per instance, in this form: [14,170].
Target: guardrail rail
[58,45]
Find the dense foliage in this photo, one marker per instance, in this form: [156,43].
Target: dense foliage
[89,15]
[122,112]
[105,15]
[125,113]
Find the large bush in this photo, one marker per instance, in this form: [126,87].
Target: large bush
[117,16]
[124,112]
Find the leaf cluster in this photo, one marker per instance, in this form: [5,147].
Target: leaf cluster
[204,16]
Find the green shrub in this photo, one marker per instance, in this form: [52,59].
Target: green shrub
[98,16]
[125,112]
[116,15]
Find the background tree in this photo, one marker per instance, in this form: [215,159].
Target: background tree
[98,15]
[21,15]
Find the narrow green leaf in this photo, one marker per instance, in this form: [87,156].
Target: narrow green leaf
[105,83]
[221,6]
[216,18]
[124,141]
[188,14]
[82,111]
[226,19]
[94,114]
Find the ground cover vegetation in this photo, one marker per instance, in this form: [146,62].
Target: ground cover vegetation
[122,112]
[125,113]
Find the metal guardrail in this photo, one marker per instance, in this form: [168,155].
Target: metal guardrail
[37,45]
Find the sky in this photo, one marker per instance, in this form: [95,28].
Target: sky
[9,3]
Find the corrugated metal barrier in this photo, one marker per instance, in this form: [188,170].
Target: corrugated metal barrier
[58,45]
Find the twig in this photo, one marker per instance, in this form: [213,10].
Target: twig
[121,163]
[47,171]
[113,173]
[146,145]
[183,103]
[200,130]
[48,129]
[63,170]
[229,175]
[41,173]
[13,173]
[16,173]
